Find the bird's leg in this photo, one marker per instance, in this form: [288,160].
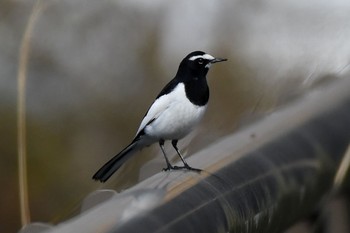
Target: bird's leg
[169,166]
[186,166]
[174,143]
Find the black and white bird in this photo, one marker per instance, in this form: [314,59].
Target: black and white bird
[176,111]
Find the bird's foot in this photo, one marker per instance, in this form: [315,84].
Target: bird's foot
[168,168]
[187,167]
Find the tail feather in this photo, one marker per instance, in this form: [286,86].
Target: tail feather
[115,163]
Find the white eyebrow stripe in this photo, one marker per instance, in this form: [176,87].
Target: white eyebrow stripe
[204,56]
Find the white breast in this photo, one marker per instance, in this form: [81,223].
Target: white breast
[175,116]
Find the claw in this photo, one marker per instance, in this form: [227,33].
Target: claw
[187,167]
[168,168]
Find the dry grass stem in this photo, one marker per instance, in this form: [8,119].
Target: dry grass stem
[21,114]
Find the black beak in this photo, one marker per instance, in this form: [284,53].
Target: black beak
[215,60]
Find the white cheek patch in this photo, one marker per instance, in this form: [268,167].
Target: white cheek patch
[204,56]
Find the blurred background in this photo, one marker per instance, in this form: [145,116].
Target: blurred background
[96,66]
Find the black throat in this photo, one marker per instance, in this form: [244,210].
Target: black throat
[197,90]
[195,82]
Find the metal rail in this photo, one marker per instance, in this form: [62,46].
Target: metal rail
[260,179]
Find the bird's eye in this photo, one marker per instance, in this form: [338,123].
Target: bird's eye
[200,61]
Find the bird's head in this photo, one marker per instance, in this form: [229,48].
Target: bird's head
[198,63]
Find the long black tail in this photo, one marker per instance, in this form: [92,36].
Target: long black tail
[115,163]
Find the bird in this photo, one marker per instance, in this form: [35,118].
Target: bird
[177,109]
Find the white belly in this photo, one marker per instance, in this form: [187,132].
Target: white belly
[176,122]
[177,119]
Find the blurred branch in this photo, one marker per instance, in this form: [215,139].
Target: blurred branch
[21,114]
